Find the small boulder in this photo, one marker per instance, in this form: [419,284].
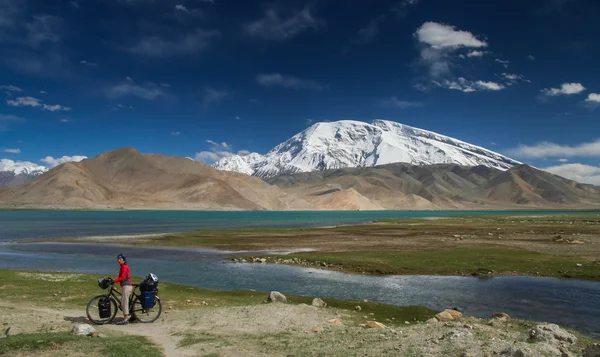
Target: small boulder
[357,308]
[82,330]
[432,320]
[512,352]
[375,324]
[276,296]
[592,350]
[444,316]
[552,334]
[500,315]
[455,314]
[336,322]
[318,302]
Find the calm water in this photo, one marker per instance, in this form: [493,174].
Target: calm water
[567,302]
[16,225]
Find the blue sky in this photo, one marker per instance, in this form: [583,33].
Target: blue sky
[207,78]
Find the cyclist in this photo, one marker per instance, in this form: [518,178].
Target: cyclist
[126,287]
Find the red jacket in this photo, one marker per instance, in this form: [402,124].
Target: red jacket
[124,275]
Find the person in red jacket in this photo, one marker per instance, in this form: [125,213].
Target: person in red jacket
[126,287]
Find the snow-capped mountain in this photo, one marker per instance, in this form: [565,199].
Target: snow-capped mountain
[15,173]
[349,143]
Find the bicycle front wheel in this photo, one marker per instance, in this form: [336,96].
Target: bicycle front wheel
[146,315]
[93,312]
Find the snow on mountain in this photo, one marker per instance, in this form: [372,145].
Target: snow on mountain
[21,167]
[348,143]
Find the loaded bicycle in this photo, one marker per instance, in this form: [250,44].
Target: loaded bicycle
[144,307]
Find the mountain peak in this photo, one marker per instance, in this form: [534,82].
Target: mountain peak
[351,143]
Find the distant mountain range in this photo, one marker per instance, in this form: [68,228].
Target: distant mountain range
[347,143]
[18,173]
[125,178]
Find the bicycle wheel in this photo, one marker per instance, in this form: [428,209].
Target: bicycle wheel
[93,313]
[146,315]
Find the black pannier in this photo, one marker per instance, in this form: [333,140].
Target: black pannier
[104,308]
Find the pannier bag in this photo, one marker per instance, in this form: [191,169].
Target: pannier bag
[104,308]
[148,299]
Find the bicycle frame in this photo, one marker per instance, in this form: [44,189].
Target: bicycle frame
[116,294]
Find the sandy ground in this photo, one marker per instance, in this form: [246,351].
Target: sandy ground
[299,330]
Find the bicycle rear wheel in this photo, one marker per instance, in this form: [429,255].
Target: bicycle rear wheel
[146,315]
[93,312]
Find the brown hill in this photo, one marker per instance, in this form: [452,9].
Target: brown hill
[125,178]
[405,186]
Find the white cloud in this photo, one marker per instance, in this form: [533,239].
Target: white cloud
[565,89]
[181,8]
[438,44]
[401,8]
[440,36]
[466,86]
[175,133]
[402,104]
[513,78]
[531,57]
[43,28]
[476,53]
[563,160]
[217,151]
[593,100]
[309,121]
[276,79]
[368,33]
[504,63]
[117,107]
[577,172]
[7,119]
[43,92]
[237,118]
[52,162]
[34,102]
[188,44]
[165,85]
[19,166]
[273,26]
[90,64]
[11,88]
[75,5]
[12,151]
[64,120]
[24,102]
[547,149]
[149,91]
[212,95]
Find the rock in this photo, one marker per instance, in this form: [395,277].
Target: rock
[552,334]
[432,320]
[500,315]
[12,330]
[512,352]
[357,308]
[592,350]
[82,330]
[276,296]
[444,316]
[318,329]
[578,265]
[94,334]
[375,324]
[336,322]
[188,301]
[318,302]
[455,314]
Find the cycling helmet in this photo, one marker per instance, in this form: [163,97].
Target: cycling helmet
[122,256]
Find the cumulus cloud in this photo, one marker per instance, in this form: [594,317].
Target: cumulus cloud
[466,86]
[276,79]
[217,151]
[593,100]
[476,53]
[19,166]
[547,149]
[211,95]
[577,172]
[276,27]
[52,162]
[402,104]
[439,42]
[148,91]
[187,44]
[504,63]
[565,89]
[12,151]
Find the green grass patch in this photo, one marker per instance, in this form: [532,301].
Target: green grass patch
[457,261]
[125,346]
